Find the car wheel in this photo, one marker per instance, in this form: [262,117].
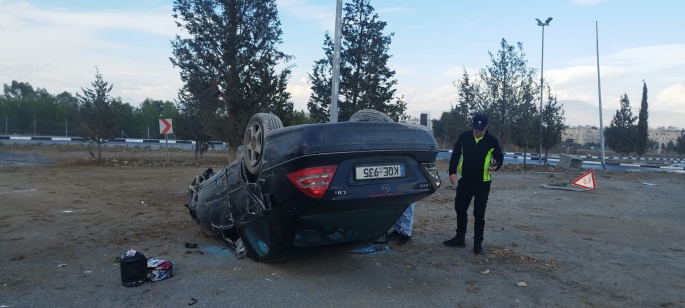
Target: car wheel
[370,115]
[253,150]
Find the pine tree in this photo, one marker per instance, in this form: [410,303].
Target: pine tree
[621,132]
[641,137]
[366,82]
[508,90]
[469,103]
[95,111]
[450,125]
[670,147]
[525,116]
[193,113]
[232,45]
[553,122]
[680,143]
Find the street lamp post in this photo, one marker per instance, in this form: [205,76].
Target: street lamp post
[542,62]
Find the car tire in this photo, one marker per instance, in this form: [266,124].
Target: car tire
[370,115]
[253,148]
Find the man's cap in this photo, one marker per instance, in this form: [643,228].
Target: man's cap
[480,121]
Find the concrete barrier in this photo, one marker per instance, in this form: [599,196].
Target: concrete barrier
[570,161]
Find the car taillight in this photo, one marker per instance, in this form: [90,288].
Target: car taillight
[313,181]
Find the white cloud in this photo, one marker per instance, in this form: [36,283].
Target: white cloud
[299,90]
[587,2]
[154,92]
[622,72]
[58,50]
[673,96]
[21,15]
[322,15]
[402,71]
[388,10]
[457,72]
[642,58]
[433,99]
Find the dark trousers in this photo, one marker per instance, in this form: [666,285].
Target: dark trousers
[466,191]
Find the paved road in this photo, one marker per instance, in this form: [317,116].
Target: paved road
[513,158]
[518,159]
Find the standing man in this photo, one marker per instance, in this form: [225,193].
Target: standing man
[476,153]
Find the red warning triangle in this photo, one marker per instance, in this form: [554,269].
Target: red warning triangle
[586,180]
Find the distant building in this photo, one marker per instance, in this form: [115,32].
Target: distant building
[590,134]
[424,120]
[663,135]
[581,135]
[412,121]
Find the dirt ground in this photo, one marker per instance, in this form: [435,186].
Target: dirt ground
[64,219]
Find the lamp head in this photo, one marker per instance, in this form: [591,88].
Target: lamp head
[548,20]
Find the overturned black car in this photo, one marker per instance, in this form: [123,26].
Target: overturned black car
[315,188]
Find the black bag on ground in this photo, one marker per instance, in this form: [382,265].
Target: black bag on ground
[133,266]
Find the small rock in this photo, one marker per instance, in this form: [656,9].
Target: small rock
[522,284]
[485,272]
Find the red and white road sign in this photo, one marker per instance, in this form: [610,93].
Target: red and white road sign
[586,180]
[165,126]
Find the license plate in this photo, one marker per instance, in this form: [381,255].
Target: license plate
[379,172]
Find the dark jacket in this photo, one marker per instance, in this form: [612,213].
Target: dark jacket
[473,159]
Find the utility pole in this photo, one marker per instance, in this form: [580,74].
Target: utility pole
[542,63]
[336,64]
[599,90]
[66,127]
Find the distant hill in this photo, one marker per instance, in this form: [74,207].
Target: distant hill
[583,113]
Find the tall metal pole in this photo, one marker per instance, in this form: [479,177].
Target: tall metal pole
[66,127]
[5,125]
[542,64]
[336,64]
[34,124]
[542,80]
[599,91]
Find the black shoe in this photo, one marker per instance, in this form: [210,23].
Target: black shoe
[393,235]
[478,245]
[404,239]
[457,241]
[478,249]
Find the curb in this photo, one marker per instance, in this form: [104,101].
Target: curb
[43,138]
[108,140]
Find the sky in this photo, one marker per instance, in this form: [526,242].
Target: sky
[56,45]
